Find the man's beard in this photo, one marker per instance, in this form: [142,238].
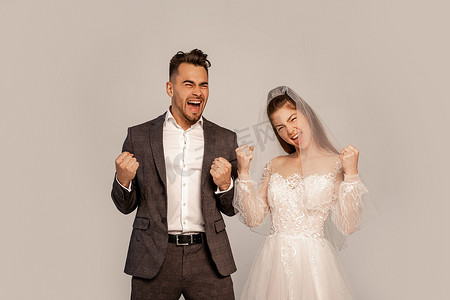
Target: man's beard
[192,119]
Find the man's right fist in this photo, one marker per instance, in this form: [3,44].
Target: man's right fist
[126,166]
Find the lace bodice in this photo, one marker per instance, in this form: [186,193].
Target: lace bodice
[300,206]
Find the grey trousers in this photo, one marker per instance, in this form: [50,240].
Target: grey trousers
[187,270]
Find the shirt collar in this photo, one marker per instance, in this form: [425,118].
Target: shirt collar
[169,118]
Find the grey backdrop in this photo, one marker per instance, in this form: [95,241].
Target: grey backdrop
[75,74]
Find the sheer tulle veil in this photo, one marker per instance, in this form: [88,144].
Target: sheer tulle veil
[319,151]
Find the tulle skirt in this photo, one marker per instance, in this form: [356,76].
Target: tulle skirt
[296,268]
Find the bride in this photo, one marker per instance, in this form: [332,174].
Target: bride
[311,188]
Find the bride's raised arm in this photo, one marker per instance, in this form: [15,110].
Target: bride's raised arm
[348,210]
[250,198]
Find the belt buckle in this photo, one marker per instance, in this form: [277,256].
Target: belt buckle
[183,244]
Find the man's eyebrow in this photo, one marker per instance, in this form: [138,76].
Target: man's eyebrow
[193,83]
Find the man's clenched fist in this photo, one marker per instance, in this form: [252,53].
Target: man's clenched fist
[126,166]
[221,173]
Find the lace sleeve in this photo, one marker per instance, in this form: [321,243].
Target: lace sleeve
[250,198]
[348,211]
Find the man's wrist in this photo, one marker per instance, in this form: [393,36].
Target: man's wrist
[225,187]
[125,186]
[126,183]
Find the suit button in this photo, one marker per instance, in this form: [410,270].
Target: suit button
[164,220]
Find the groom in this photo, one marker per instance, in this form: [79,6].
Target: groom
[176,171]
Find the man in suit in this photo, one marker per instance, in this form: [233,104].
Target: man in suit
[176,171]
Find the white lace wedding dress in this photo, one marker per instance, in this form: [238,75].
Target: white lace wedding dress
[296,261]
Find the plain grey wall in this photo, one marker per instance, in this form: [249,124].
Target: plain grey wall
[75,74]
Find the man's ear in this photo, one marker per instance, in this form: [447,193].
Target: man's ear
[169,89]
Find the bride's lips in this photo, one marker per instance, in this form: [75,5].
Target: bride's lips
[296,138]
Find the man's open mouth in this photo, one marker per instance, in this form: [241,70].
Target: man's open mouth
[195,103]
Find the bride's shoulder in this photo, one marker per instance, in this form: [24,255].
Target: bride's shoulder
[334,158]
[277,162]
[334,162]
[328,161]
[327,156]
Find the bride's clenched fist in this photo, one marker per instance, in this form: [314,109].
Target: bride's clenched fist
[244,155]
[126,166]
[349,159]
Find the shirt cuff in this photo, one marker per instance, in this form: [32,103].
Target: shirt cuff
[128,188]
[218,191]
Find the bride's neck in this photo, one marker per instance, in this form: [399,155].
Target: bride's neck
[307,153]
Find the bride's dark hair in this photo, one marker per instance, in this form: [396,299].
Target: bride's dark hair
[318,132]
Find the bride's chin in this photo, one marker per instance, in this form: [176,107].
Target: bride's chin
[293,143]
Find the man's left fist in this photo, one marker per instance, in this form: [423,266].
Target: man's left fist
[221,173]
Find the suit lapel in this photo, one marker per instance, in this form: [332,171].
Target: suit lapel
[156,143]
[208,152]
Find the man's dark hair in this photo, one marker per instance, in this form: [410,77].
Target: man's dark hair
[195,57]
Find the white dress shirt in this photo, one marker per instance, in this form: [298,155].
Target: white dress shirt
[183,153]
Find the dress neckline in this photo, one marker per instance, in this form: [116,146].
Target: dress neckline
[297,175]
[330,175]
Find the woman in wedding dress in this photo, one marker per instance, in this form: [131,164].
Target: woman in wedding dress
[309,189]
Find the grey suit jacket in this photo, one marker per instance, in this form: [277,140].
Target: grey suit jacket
[148,194]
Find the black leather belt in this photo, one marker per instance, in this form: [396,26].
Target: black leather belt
[186,239]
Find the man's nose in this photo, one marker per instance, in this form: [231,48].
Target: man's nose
[196,90]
